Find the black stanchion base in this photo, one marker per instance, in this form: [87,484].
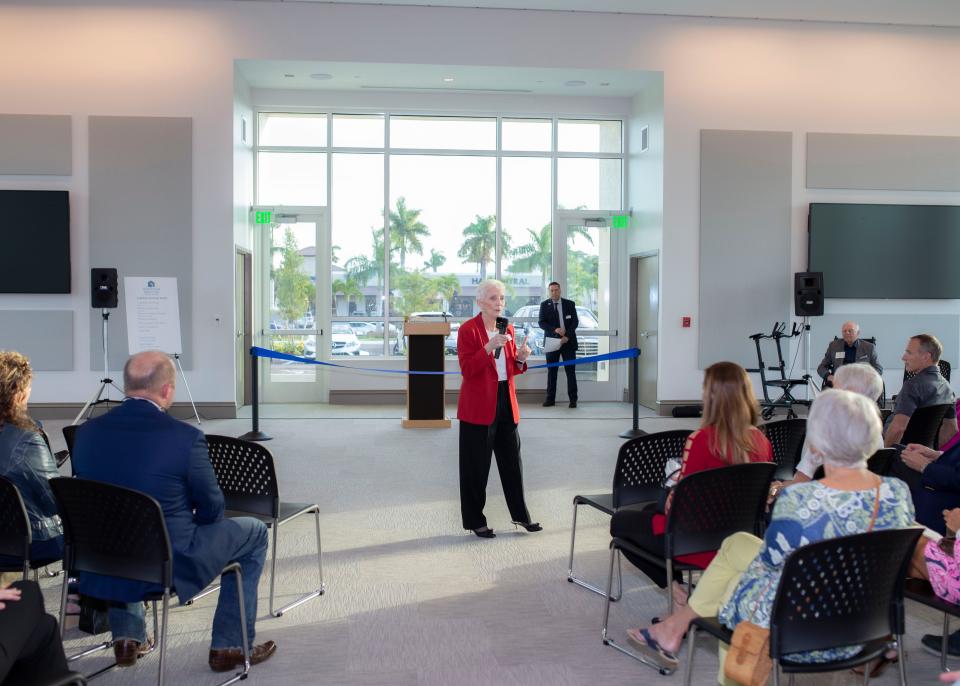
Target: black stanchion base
[633,433]
[255,436]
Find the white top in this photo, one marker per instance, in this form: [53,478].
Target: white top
[501,361]
[808,461]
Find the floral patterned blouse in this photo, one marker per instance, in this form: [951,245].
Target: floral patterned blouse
[944,571]
[803,514]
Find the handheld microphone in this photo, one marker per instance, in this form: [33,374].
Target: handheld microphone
[501,328]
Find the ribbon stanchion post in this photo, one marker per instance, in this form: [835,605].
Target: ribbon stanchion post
[255,434]
[636,431]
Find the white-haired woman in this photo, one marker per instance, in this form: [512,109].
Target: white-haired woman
[740,584]
[488,412]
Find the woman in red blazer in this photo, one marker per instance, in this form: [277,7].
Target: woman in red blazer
[488,412]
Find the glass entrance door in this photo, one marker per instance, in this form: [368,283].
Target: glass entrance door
[294,265]
[584,245]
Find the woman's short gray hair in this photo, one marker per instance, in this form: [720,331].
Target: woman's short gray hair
[844,428]
[487,285]
[859,378]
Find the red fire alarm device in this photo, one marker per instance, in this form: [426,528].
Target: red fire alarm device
[686,322]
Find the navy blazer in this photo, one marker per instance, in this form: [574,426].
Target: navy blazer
[138,446]
[939,489]
[549,321]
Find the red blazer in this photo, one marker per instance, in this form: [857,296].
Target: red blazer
[478,391]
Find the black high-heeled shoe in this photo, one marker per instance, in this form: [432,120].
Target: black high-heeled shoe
[529,526]
[484,532]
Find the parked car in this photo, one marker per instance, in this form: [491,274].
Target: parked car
[310,348]
[364,328]
[343,340]
[588,345]
[450,342]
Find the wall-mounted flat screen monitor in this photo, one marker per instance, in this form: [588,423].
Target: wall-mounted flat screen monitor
[886,251]
[34,242]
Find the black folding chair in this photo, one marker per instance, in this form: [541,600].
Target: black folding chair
[247,477]
[838,592]
[707,507]
[15,534]
[120,532]
[638,478]
[920,591]
[924,425]
[786,437]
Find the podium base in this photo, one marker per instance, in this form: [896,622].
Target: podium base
[633,433]
[444,423]
[255,436]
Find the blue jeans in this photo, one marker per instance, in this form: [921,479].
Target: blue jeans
[128,621]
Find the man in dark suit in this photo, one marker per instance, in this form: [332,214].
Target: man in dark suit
[139,446]
[558,319]
[848,349]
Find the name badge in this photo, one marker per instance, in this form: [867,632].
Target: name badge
[839,356]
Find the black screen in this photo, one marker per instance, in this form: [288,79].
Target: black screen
[34,242]
[886,251]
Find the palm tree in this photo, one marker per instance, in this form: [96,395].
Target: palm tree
[481,243]
[406,230]
[348,288]
[537,255]
[436,260]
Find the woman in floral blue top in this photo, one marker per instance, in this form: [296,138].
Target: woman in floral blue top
[741,582]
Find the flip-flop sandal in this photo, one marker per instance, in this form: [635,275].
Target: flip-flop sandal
[656,620]
[648,645]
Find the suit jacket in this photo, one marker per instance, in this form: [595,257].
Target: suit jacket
[138,446]
[549,321]
[938,490]
[866,353]
[477,403]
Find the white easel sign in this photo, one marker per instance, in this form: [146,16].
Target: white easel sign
[153,314]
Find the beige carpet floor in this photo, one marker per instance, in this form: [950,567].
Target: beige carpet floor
[413,599]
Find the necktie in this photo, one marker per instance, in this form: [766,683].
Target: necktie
[560,317]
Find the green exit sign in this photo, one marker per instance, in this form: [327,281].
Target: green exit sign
[262,216]
[620,221]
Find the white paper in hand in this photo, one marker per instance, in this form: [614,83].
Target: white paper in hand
[551,345]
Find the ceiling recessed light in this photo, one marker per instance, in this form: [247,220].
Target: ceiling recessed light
[575,83]
[448,79]
[288,76]
[321,77]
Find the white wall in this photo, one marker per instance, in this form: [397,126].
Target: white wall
[176,59]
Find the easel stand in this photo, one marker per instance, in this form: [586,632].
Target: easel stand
[106,381]
[176,358]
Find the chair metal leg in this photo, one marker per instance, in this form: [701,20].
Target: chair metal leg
[273,570]
[944,642]
[902,660]
[669,586]
[776,673]
[691,647]
[63,604]
[572,578]
[205,592]
[239,676]
[615,553]
[163,635]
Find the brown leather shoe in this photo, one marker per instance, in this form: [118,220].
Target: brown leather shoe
[225,659]
[126,652]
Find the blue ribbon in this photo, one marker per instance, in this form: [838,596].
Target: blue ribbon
[256,351]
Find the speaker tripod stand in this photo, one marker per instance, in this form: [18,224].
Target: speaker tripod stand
[106,382]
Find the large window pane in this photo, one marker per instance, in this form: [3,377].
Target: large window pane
[588,284]
[527,134]
[581,135]
[299,130]
[358,130]
[292,297]
[443,133]
[526,266]
[442,231]
[291,178]
[356,239]
[589,184]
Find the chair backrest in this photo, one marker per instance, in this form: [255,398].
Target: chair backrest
[944,371]
[642,463]
[15,534]
[841,591]
[113,530]
[880,461]
[786,438]
[710,505]
[246,475]
[924,425]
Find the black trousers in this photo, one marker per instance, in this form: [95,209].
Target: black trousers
[477,442]
[635,524]
[31,651]
[567,353]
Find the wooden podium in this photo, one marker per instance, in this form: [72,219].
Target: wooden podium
[425,392]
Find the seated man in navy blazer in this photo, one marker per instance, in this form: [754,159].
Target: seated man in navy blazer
[558,319]
[138,445]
